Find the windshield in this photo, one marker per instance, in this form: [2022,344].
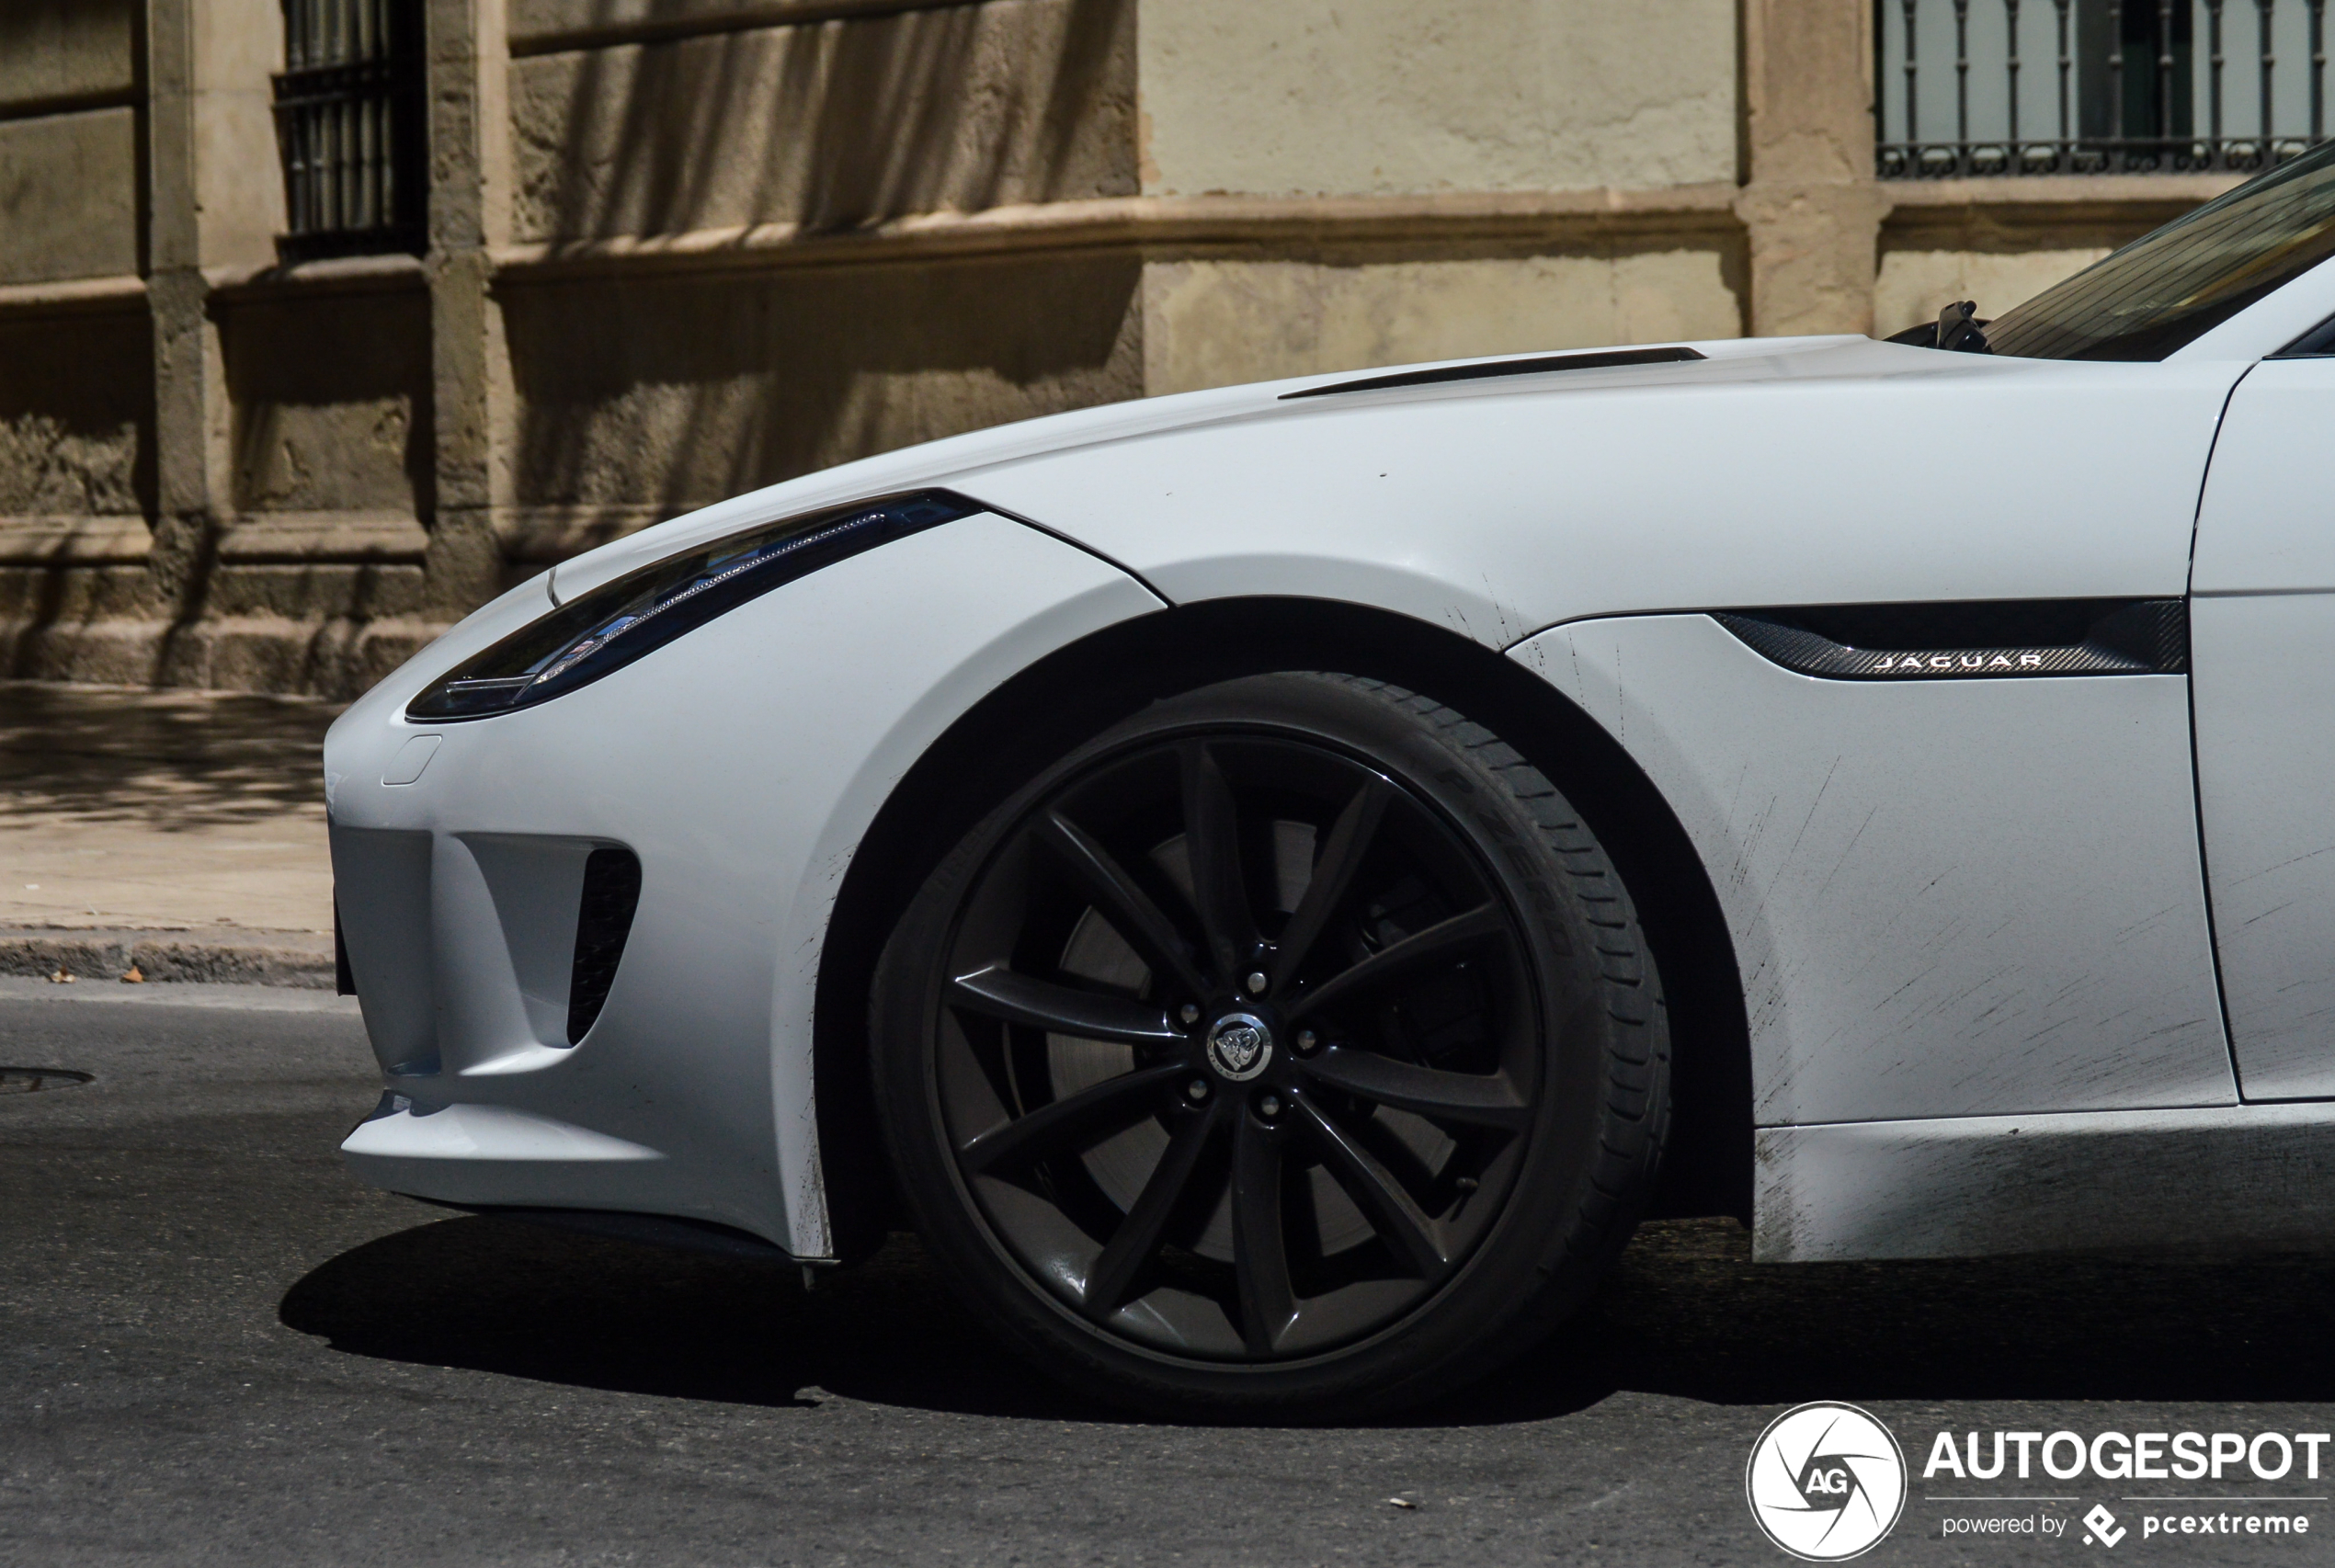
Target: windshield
[2171,286]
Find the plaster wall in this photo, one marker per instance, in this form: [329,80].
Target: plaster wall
[76,405]
[315,591]
[1913,285]
[239,183]
[690,389]
[69,196]
[534,22]
[73,594]
[53,50]
[331,401]
[830,125]
[1388,96]
[1218,323]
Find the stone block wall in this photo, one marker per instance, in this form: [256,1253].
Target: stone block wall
[681,248]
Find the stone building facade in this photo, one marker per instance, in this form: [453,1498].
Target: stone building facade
[660,250]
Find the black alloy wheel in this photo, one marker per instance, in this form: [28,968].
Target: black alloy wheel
[1230,1052]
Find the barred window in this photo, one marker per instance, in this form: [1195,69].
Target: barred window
[1990,88]
[348,121]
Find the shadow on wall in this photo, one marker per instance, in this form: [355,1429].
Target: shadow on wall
[828,126]
[76,410]
[669,392]
[332,403]
[687,389]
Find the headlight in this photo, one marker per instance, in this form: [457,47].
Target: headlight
[628,616]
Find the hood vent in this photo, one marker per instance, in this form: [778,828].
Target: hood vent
[1600,361]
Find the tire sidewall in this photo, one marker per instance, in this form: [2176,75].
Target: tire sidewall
[1542,1255]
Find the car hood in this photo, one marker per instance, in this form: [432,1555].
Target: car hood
[957,460]
[1769,472]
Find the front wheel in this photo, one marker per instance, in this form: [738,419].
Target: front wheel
[1289,1050]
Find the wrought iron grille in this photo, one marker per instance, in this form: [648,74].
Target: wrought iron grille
[348,120]
[1976,87]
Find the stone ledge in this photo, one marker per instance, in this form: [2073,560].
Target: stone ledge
[2060,190]
[393,273]
[2040,211]
[73,296]
[74,541]
[1554,217]
[225,954]
[324,537]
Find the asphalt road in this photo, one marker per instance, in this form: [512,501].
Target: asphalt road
[217,1348]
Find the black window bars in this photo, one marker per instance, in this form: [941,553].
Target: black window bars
[2097,86]
[349,122]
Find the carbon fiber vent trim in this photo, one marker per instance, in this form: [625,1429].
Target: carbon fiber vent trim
[611,892]
[2073,637]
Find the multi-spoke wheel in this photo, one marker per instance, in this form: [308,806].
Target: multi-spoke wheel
[1289,1048]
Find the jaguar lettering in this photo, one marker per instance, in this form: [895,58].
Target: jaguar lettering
[1980,660]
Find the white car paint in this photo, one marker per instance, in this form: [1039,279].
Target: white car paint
[1948,898]
[1501,508]
[742,764]
[2263,640]
[1958,909]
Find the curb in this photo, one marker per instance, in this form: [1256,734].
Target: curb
[232,956]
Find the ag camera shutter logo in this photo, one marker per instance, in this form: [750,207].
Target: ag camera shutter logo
[1827,1482]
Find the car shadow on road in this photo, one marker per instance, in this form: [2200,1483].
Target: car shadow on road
[1686,1313]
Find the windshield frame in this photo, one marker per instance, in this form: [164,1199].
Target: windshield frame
[2260,325]
[2270,326]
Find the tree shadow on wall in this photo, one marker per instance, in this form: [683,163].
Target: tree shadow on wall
[830,127]
[1686,1314]
[674,392]
[691,389]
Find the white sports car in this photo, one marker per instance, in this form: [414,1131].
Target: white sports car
[1274,884]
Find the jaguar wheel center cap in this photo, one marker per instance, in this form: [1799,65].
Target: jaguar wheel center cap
[1239,1046]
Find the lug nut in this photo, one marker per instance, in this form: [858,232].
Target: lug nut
[1188,1013]
[1269,1106]
[1255,981]
[1197,1088]
[1307,1039]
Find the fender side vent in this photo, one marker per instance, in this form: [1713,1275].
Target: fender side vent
[611,892]
[1597,360]
[1992,639]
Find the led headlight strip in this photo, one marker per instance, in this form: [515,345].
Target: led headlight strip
[601,632]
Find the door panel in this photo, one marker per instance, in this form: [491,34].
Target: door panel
[2263,651]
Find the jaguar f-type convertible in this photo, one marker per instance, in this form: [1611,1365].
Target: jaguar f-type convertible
[1273,884]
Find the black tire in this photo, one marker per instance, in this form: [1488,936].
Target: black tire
[1396,1164]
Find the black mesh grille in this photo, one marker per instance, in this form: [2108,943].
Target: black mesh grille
[612,891]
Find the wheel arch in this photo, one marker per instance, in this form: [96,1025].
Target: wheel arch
[1061,699]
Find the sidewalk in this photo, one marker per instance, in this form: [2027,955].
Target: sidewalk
[178,833]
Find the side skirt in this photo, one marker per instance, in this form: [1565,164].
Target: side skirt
[2256,1177]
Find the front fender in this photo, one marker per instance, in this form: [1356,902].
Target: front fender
[742,764]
